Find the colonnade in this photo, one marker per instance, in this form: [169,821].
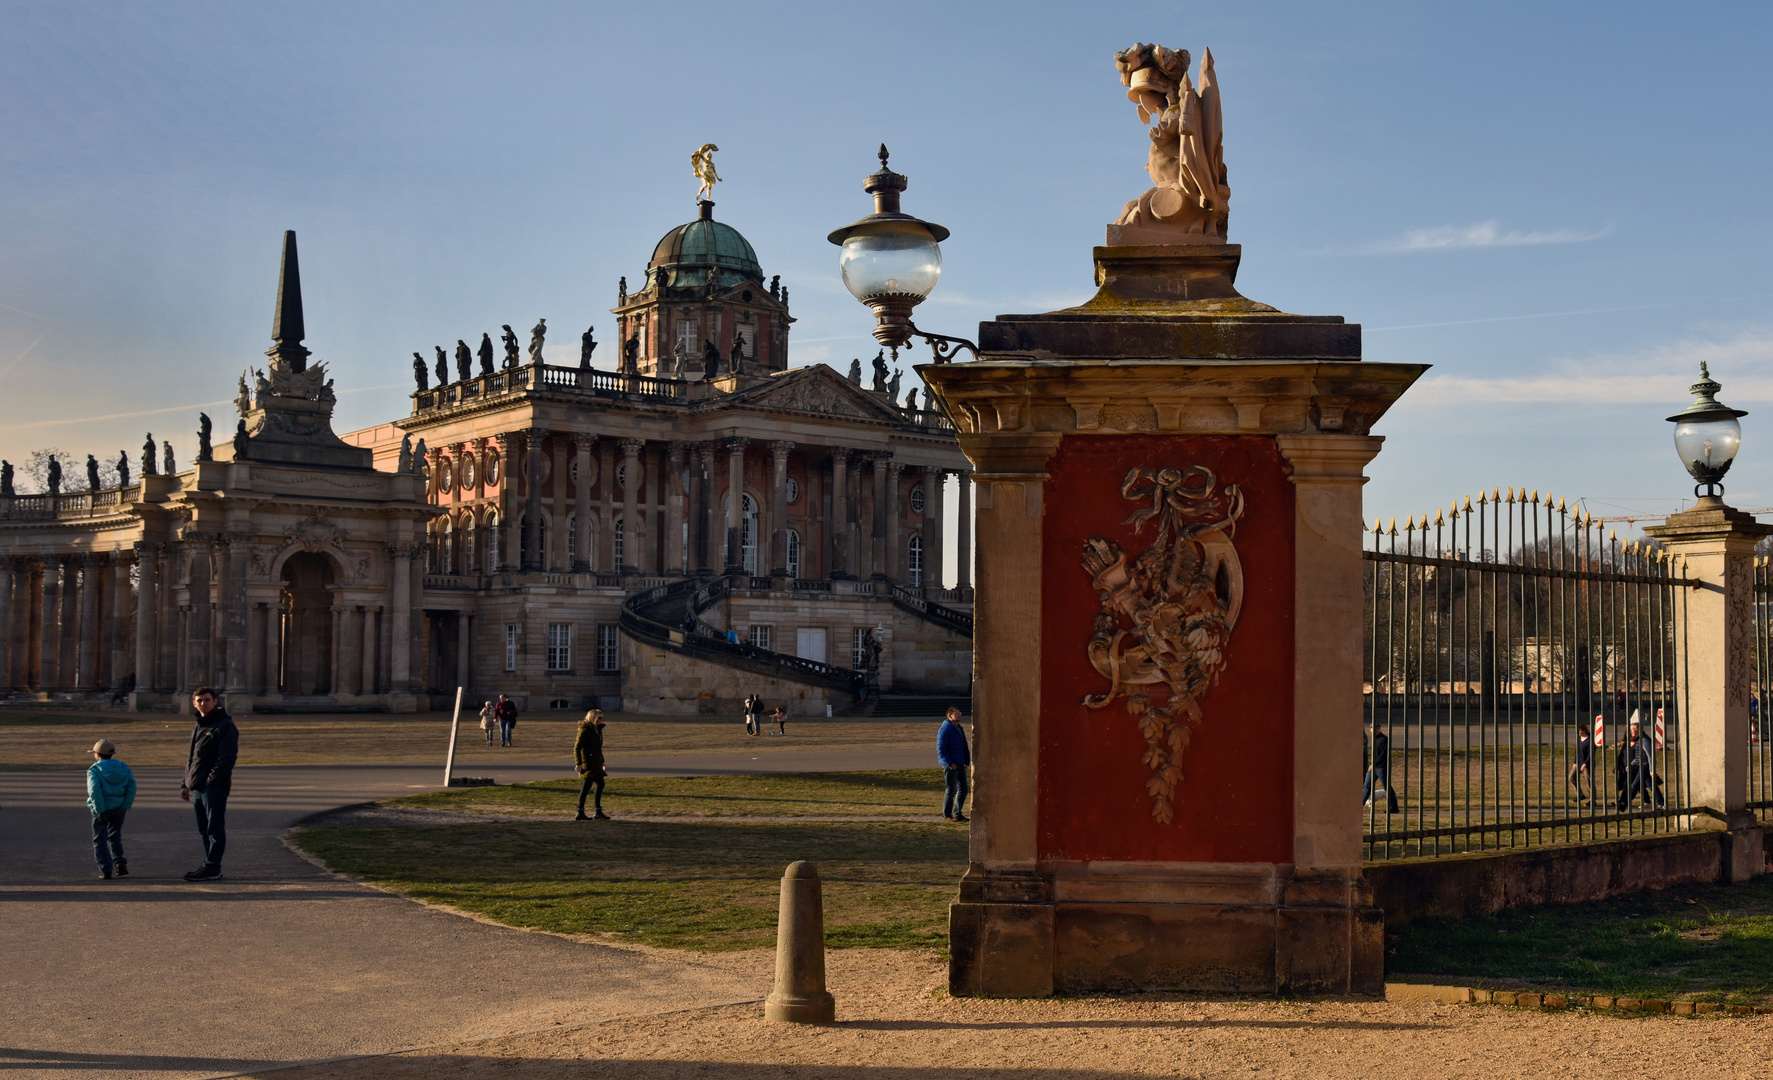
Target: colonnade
[64,621]
[681,519]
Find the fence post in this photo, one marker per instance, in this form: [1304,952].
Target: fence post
[1716,662]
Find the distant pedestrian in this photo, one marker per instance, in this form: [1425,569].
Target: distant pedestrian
[732,636]
[588,757]
[753,714]
[209,777]
[506,714]
[1378,769]
[955,759]
[1582,767]
[110,792]
[781,718]
[1634,772]
[488,722]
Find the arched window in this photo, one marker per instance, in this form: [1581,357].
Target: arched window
[494,542]
[572,537]
[793,554]
[621,547]
[748,535]
[914,562]
[470,544]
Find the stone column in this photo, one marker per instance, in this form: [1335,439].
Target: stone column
[878,549]
[779,452]
[335,680]
[70,622]
[235,629]
[674,552]
[839,525]
[85,649]
[631,530]
[556,559]
[116,665]
[400,605]
[169,672]
[6,623]
[49,648]
[735,505]
[274,647]
[148,600]
[896,538]
[934,511]
[1716,660]
[582,445]
[707,504]
[652,511]
[511,544]
[532,503]
[606,520]
[963,538]
[367,680]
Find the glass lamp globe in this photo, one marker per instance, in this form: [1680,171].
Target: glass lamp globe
[1707,434]
[891,260]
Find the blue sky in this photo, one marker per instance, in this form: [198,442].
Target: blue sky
[1561,207]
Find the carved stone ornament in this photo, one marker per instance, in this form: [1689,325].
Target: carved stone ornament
[1167,614]
[1186,161]
[813,396]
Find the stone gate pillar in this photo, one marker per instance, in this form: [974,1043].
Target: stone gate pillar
[1167,675]
[1715,659]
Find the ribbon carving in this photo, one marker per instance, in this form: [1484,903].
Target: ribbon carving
[1161,635]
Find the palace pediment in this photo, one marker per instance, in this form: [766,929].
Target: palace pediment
[816,389]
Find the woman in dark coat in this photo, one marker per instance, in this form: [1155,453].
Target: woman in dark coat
[588,757]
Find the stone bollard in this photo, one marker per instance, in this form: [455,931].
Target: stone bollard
[800,996]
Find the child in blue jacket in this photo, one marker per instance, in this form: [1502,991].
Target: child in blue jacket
[110,791]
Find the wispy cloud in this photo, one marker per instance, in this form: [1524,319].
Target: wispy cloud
[1658,375]
[70,421]
[1482,235]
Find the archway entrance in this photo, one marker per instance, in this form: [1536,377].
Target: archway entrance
[307,643]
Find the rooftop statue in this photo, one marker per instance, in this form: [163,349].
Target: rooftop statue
[510,340]
[856,371]
[442,366]
[587,346]
[404,464]
[738,345]
[880,371]
[243,399]
[680,359]
[893,386]
[148,455]
[710,360]
[537,334]
[419,375]
[911,400]
[631,354]
[54,476]
[241,440]
[420,457]
[6,480]
[1186,161]
[622,291]
[776,287]
[123,468]
[92,476]
[702,161]
[464,360]
[204,451]
[486,354]
[167,465]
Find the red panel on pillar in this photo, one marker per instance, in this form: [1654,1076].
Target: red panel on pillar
[1102,785]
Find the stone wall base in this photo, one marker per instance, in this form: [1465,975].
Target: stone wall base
[1462,886]
[1128,927]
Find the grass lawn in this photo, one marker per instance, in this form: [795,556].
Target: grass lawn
[1709,943]
[58,739]
[897,793]
[710,881]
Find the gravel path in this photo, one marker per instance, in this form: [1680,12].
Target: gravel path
[895,1024]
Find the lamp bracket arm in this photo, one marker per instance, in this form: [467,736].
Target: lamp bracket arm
[943,347]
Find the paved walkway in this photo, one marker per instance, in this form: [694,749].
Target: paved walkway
[281,962]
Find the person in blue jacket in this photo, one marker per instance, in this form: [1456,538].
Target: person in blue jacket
[110,792]
[951,752]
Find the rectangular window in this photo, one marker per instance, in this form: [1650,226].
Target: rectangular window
[748,334]
[608,656]
[760,636]
[510,646]
[688,338]
[560,646]
[859,648]
[809,643]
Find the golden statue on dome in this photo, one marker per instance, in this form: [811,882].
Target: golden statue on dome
[702,161]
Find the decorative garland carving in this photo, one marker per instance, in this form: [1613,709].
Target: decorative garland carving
[1167,615]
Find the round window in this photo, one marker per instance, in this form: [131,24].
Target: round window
[622,475]
[917,500]
[468,471]
[492,468]
[445,475]
[793,490]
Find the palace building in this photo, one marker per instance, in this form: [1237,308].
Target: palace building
[696,523]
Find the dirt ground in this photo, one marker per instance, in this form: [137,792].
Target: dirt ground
[895,1023]
[63,740]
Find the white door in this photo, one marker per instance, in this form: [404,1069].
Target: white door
[809,643]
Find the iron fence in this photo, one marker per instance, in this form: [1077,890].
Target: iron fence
[1760,730]
[1509,643]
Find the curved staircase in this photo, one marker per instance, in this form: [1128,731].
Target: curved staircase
[657,617]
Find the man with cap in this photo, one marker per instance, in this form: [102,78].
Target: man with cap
[209,773]
[110,792]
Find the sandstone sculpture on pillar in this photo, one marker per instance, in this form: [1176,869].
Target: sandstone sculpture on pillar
[486,354]
[509,337]
[442,366]
[419,376]
[464,360]
[1186,162]
[537,334]
[148,456]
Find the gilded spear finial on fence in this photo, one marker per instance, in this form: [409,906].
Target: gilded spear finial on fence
[1468,504]
[1437,518]
[1393,529]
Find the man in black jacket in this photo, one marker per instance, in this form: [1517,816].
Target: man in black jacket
[209,773]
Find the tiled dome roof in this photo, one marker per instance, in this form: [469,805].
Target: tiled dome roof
[689,250]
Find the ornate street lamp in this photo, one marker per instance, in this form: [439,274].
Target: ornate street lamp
[1707,436]
[891,261]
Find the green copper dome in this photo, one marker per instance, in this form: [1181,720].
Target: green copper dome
[689,250]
